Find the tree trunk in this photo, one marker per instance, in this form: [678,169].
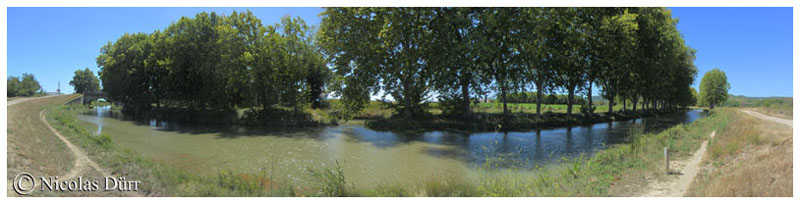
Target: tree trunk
[644,103]
[635,100]
[624,104]
[589,95]
[570,95]
[407,100]
[465,94]
[610,103]
[539,100]
[505,103]
[654,105]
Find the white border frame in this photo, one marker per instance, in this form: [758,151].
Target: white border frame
[366,3]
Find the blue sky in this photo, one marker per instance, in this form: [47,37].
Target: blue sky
[752,45]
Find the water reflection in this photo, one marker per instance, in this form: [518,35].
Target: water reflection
[357,143]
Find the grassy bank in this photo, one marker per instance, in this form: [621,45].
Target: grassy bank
[614,171]
[481,122]
[270,117]
[31,145]
[752,157]
[488,117]
[376,110]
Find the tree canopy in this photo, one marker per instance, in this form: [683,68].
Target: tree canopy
[635,54]
[85,80]
[216,62]
[27,86]
[411,55]
[714,88]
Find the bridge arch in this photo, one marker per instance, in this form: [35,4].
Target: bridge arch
[90,96]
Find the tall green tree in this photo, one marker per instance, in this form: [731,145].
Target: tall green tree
[454,53]
[564,42]
[12,86]
[498,50]
[714,88]
[379,49]
[85,80]
[533,53]
[28,85]
[614,54]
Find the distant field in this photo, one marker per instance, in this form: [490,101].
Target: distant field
[770,105]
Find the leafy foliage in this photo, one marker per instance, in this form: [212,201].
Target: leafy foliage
[28,86]
[633,54]
[216,62]
[85,80]
[714,88]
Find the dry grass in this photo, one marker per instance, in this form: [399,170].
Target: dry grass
[31,147]
[752,157]
[782,112]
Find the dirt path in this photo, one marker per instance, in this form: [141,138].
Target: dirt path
[16,101]
[677,183]
[83,165]
[82,161]
[769,118]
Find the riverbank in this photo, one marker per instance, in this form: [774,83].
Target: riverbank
[485,117]
[266,117]
[482,122]
[604,174]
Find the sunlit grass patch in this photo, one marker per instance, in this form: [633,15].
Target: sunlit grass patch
[752,157]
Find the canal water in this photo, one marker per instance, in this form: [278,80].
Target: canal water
[368,157]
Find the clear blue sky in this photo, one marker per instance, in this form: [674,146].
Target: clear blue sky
[52,43]
[752,45]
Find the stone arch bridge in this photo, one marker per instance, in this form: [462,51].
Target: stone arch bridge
[90,96]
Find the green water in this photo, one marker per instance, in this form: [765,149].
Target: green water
[368,157]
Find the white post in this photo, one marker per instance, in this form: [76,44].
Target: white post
[666,159]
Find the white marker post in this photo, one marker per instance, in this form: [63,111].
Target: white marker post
[666,159]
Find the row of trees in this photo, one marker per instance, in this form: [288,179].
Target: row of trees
[412,54]
[215,62]
[28,86]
